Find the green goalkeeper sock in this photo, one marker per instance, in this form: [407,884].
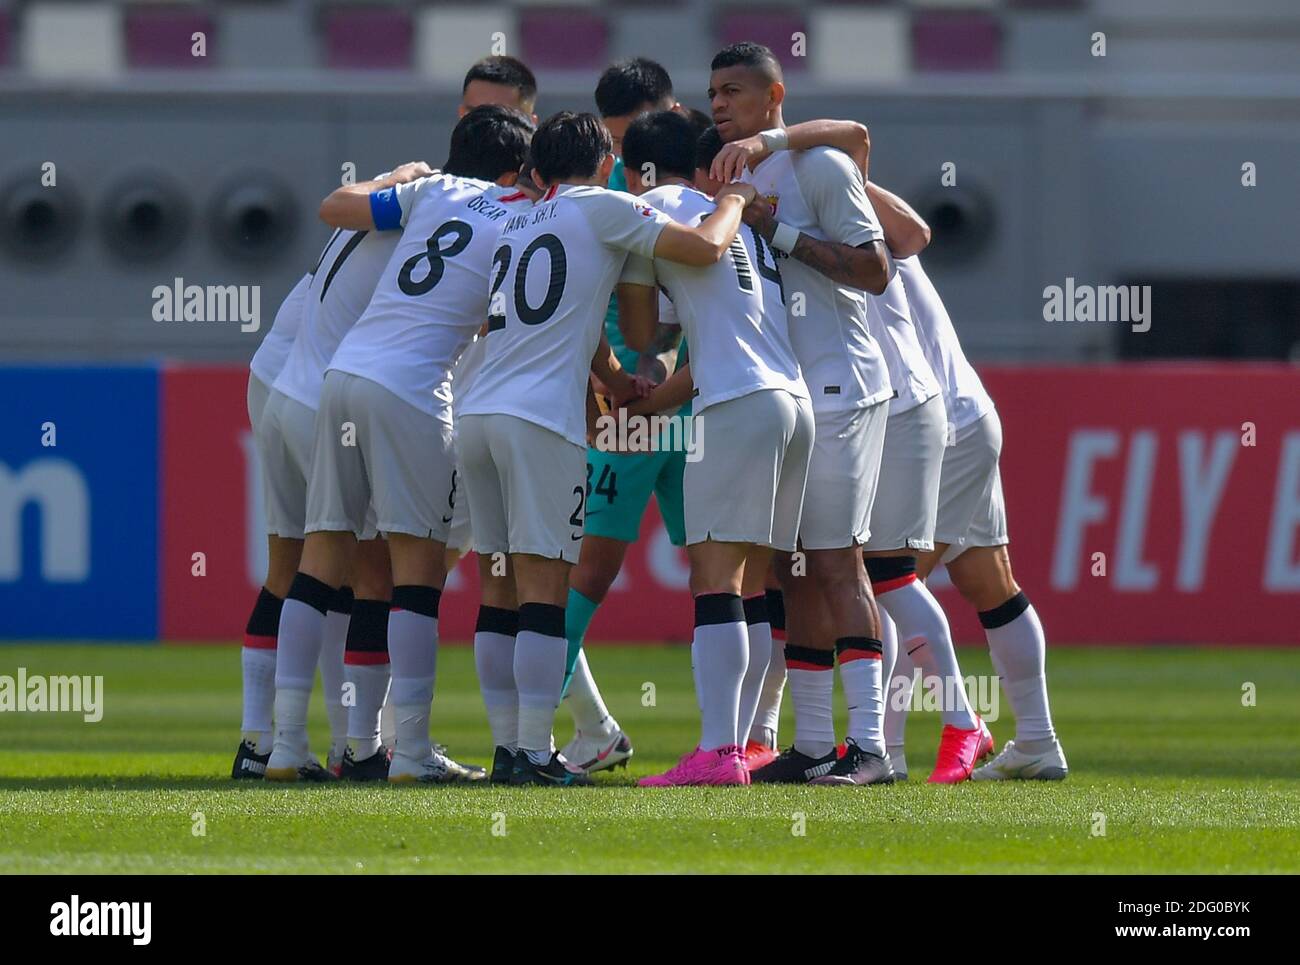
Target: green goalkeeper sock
[577,617]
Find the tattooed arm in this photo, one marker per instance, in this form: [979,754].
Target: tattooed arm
[865,266]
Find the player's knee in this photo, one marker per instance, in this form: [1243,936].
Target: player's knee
[983,577]
[592,582]
[840,584]
[283,559]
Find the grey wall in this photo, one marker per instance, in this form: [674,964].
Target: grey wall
[1091,186]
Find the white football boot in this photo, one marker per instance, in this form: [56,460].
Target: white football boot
[1012,764]
[437,768]
[600,753]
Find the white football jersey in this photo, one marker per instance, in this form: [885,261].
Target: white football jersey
[820,192]
[889,318]
[432,294]
[964,395]
[731,313]
[269,358]
[341,285]
[553,271]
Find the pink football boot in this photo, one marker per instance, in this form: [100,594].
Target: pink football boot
[959,750]
[723,765]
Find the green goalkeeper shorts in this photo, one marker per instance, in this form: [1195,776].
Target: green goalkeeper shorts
[619,485]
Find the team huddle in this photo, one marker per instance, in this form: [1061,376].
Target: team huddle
[435,384]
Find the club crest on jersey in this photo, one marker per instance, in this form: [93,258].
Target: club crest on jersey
[772,199]
[644,209]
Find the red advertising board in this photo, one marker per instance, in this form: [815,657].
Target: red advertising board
[1147,503]
[210,505]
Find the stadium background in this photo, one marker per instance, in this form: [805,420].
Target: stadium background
[1125,169]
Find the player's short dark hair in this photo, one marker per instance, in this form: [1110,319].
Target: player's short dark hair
[507,71]
[665,139]
[700,121]
[751,55]
[570,145]
[627,85]
[488,142]
[707,146]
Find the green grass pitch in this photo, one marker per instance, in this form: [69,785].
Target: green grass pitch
[1161,749]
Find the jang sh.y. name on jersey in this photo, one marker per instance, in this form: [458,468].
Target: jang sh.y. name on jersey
[552,274]
[732,313]
[432,295]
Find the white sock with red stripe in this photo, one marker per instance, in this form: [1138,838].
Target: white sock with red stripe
[365,665]
[920,620]
[860,674]
[812,685]
[1019,651]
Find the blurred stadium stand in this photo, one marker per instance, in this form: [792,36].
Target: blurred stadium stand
[1117,169]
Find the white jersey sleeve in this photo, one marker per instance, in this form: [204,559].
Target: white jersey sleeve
[270,356]
[638,270]
[391,207]
[622,221]
[832,185]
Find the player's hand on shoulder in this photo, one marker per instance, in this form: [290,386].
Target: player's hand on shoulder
[734,157]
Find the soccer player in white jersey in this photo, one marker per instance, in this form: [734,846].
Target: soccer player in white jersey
[282,411]
[903,515]
[971,540]
[620,484]
[813,208]
[460,540]
[753,433]
[339,290]
[903,522]
[523,425]
[384,438]
[257,656]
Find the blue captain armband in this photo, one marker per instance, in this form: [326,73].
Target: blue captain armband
[385,209]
